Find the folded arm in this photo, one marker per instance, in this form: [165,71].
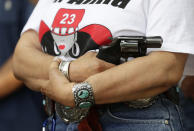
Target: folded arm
[8,83]
[140,78]
[30,64]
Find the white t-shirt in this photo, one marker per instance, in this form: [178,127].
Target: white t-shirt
[189,70]
[72,27]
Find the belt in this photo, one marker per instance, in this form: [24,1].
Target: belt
[142,103]
[69,115]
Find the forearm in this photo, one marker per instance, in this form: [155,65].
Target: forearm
[8,83]
[29,61]
[142,77]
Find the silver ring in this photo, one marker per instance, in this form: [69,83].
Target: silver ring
[64,68]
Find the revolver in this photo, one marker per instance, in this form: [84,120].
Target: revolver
[128,46]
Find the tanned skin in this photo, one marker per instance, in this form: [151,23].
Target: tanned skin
[140,78]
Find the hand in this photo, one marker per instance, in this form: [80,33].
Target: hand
[188,87]
[58,86]
[87,65]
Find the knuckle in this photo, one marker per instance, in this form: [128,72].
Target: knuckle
[99,66]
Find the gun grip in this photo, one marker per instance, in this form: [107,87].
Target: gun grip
[111,54]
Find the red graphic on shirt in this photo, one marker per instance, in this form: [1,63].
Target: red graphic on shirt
[43,29]
[62,34]
[98,33]
[66,21]
[90,37]
[61,47]
[64,38]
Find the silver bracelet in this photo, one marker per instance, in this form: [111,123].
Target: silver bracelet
[68,114]
[64,68]
[84,99]
[83,95]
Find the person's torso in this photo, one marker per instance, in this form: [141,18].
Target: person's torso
[79,26]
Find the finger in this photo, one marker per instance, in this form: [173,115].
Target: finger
[55,63]
[54,67]
[55,75]
[47,89]
[105,64]
[91,52]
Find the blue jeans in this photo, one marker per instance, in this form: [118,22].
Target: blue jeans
[161,116]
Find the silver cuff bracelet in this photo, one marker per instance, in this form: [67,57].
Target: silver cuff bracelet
[84,99]
[68,114]
[83,95]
